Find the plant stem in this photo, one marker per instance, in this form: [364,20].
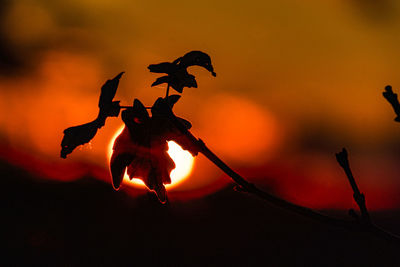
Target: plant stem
[307,212]
[353,225]
[393,100]
[167,92]
[251,188]
[359,198]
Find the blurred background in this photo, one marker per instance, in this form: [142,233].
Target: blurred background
[296,81]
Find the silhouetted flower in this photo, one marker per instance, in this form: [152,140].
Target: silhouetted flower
[141,148]
[178,77]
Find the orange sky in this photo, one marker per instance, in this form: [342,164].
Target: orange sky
[295,80]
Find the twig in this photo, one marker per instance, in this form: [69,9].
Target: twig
[167,92]
[243,185]
[359,198]
[392,99]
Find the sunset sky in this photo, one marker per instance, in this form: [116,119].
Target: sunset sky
[296,81]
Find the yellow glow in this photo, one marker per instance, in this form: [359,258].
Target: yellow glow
[183,163]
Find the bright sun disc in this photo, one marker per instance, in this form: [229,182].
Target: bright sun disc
[183,163]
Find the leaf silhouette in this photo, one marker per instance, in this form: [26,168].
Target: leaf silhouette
[177,81]
[141,148]
[108,107]
[78,135]
[177,75]
[82,134]
[197,58]
[108,91]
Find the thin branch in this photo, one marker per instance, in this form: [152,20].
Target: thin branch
[392,99]
[243,185]
[359,197]
[167,92]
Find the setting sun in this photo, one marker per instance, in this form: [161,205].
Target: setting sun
[183,160]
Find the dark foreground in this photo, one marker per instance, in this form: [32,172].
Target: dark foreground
[86,223]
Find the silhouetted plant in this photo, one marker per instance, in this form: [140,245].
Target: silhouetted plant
[141,148]
[359,198]
[392,99]
[177,75]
